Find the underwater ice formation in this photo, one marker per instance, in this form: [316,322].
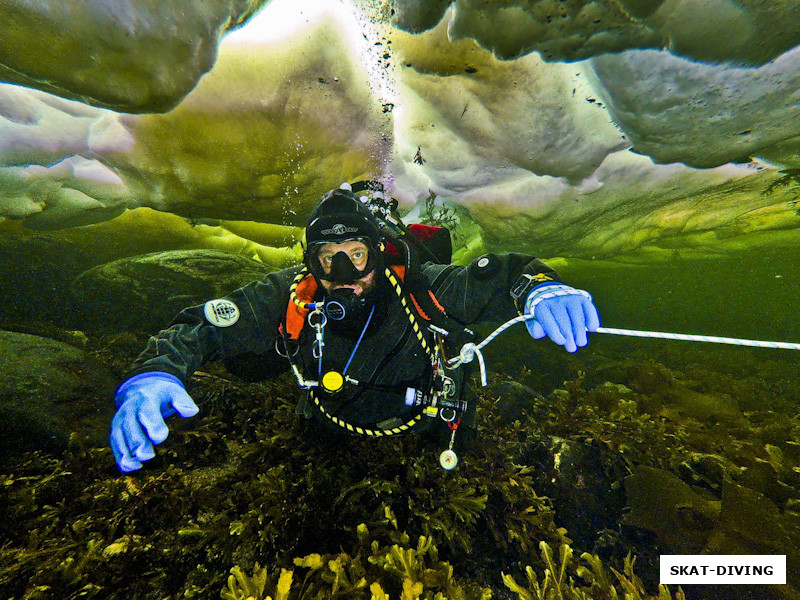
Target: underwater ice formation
[533,151]
[702,115]
[594,157]
[749,32]
[133,56]
[45,177]
[140,56]
[290,120]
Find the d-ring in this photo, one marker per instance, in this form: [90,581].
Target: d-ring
[323,320]
[285,353]
[444,418]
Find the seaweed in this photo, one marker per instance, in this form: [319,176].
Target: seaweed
[378,570]
[789,178]
[559,583]
[241,586]
[253,500]
[440,215]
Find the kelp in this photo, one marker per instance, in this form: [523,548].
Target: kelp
[378,570]
[249,499]
[789,178]
[244,587]
[557,583]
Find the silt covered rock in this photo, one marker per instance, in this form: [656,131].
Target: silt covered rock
[144,293]
[49,390]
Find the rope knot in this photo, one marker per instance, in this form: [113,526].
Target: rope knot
[468,352]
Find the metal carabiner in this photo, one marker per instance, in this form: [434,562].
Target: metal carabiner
[448,386]
[316,349]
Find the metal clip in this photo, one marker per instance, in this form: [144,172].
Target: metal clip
[323,319]
[286,353]
[320,323]
[439,330]
[304,383]
[448,386]
[449,417]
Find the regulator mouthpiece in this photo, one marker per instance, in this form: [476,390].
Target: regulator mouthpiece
[343,303]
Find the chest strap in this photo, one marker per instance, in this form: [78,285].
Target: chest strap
[302,294]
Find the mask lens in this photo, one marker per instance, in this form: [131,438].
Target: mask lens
[333,258]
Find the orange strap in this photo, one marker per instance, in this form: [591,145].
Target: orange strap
[436,302]
[421,312]
[296,316]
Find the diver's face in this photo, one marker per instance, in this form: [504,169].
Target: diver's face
[358,253]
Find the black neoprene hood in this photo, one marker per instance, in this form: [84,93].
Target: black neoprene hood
[340,217]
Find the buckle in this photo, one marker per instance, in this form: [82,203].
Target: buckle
[525,283]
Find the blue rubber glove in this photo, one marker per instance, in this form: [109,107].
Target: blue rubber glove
[562,313]
[143,402]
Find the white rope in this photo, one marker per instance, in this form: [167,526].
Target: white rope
[700,338]
[552,291]
[470,351]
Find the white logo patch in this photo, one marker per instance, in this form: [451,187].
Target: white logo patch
[222,313]
[339,229]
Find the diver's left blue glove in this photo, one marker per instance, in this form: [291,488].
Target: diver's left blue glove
[562,313]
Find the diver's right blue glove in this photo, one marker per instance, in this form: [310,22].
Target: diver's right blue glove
[143,401]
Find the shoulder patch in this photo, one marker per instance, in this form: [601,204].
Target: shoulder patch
[222,313]
[485,266]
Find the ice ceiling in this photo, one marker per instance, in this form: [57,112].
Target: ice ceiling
[584,128]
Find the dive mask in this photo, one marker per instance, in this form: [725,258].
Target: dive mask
[342,269]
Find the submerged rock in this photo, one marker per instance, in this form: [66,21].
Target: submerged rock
[681,516]
[749,521]
[36,271]
[48,390]
[514,400]
[144,293]
[671,395]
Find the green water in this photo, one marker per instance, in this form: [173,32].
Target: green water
[746,294]
[571,449]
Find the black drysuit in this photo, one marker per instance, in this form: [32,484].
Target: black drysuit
[388,360]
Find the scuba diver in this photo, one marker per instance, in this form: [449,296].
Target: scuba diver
[371,325]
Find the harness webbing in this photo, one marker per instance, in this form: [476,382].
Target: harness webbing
[293,289]
[303,308]
[414,323]
[364,430]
